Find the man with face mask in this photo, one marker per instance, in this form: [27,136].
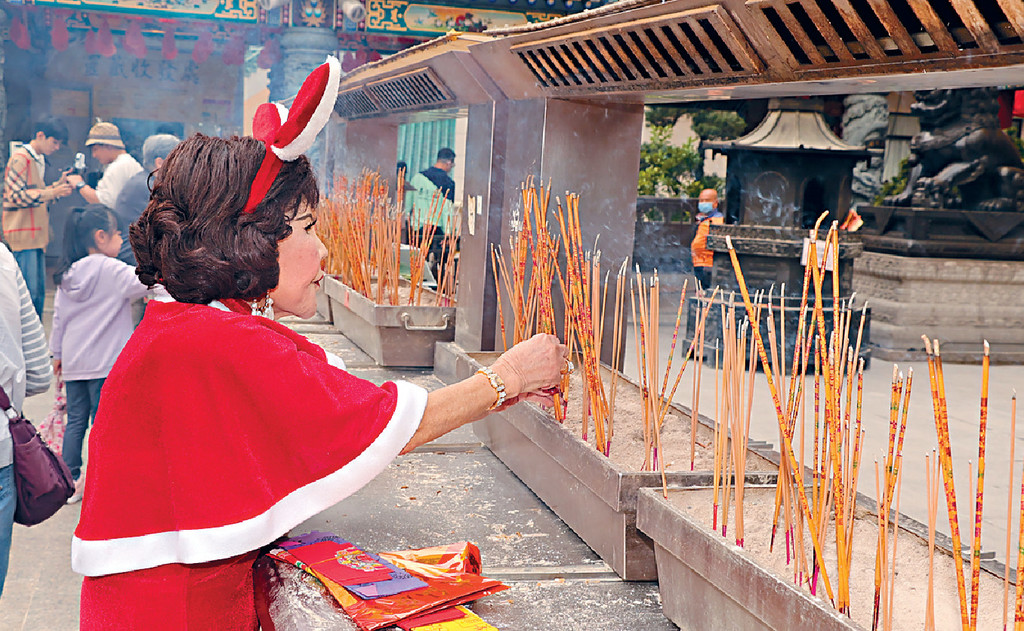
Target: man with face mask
[707,214]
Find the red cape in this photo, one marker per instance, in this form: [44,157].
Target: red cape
[217,432]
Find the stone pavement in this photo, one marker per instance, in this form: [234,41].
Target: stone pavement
[451,490]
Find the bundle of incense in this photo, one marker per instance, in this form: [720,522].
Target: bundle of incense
[421,238]
[893,458]
[512,269]
[886,560]
[731,424]
[796,472]
[838,436]
[938,388]
[1009,507]
[361,229]
[581,297]
[447,285]
[979,501]
[931,466]
[618,337]
[657,399]
[698,334]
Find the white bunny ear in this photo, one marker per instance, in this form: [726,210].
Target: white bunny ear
[317,91]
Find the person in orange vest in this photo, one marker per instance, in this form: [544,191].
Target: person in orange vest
[707,214]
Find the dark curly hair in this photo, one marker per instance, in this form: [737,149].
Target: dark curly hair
[193,238]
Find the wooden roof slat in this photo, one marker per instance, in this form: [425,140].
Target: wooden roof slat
[570,62]
[548,70]
[597,64]
[860,29]
[624,63]
[709,44]
[1014,10]
[976,24]
[548,53]
[798,33]
[895,28]
[684,41]
[735,39]
[666,69]
[634,50]
[934,26]
[835,42]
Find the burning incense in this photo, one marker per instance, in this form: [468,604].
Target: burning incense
[1009,508]
[976,544]
[787,444]
[932,483]
[945,459]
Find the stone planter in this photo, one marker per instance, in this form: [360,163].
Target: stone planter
[592,494]
[401,335]
[707,583]
[323,303]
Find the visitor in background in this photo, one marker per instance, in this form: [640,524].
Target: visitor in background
[431,204]
[26,222]
[119,165]
[707,214]
[24,371]
[135,195]
[91,319]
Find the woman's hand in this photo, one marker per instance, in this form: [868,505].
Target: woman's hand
[532,365]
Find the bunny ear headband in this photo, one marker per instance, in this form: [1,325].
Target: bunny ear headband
[288,133]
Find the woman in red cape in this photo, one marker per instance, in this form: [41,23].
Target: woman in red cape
[218,429]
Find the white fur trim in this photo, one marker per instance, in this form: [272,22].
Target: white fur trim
[282,112]
[110,556]
[318,120]
[335,360]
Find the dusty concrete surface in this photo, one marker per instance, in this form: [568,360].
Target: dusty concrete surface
[451,490]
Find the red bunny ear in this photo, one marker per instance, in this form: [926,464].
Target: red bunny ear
[290,133]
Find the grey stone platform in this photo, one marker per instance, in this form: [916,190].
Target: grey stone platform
[451,490]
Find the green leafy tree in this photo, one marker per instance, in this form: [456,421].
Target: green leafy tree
[666,169]
[717,124]
[662,116]
[663,166]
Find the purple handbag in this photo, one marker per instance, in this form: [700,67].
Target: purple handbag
[43,481]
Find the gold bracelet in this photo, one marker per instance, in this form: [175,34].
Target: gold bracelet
[497,383]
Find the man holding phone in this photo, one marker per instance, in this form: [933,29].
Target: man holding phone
[119,166]
[26,223]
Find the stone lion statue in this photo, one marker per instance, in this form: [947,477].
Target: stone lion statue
[961,158]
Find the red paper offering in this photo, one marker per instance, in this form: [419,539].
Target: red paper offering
[343,564]
[451,573]
[437,617]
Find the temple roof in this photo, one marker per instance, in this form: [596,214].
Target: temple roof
[791,125]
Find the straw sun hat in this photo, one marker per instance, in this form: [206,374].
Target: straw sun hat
[104,134]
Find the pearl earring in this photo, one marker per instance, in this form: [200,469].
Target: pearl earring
[267,308]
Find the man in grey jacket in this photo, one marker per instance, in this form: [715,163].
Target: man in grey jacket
[134,197]
[24,371]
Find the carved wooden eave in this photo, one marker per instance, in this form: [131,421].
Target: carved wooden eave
[699,49]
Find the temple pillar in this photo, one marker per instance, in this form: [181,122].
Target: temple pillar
[302,50]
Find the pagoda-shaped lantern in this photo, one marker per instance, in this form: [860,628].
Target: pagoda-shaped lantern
[790,169]
[780,178]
